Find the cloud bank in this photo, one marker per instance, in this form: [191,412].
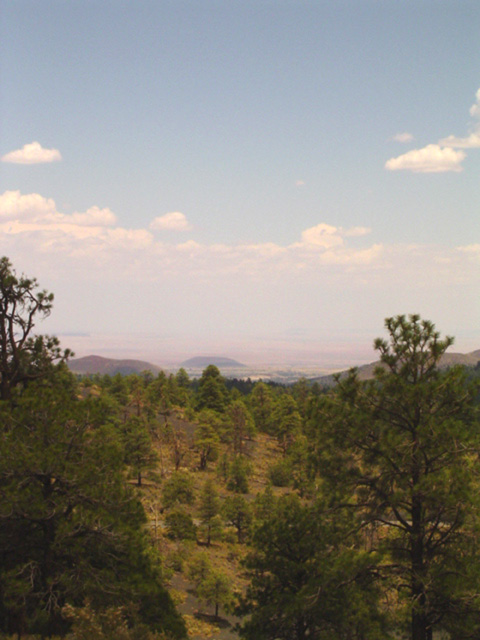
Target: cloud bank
[32,153]
[326,277]
[31,226]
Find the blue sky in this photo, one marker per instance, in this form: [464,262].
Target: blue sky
[277,173]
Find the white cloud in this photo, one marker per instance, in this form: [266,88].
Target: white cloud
[322,235]
[128,238]
[475,108]
[472,140]
[430,159]
[174,221]
[34,215]
[299,183]
[32,153]
[471,251]
[326,236]
[14,205]
[403,137]
[35,208]
[267,249]
[190,245]
[441,157]
[94,216]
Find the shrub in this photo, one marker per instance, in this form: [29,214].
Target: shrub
[280,473]
[180,525]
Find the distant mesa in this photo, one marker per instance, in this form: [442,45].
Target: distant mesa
[110,366]
[200,362]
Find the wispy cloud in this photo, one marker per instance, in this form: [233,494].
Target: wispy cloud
[430,159]
[32,153]
[403,137]
[357,231]
[472,140]
[300,183]
[174,221]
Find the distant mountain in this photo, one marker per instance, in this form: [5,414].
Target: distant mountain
[97,364]
[366,371]
[200,362]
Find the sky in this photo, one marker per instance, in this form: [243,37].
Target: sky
[264,180]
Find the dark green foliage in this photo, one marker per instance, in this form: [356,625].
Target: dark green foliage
[264,503]
[301,394]
[216,590]
[285,422]
[280,473]
[178,489]
[307,579]
[139,453]
[209,507]
[119,389]
[199,568]
[207,436]
[182,379]
[240,425]
[238,512]
[69,527]
[180,525]
[243,386]
[405,448]
[223,467]
[23,356]
[238,471]
[212,392]
[261,404]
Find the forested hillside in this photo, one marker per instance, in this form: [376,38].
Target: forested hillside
[255,510]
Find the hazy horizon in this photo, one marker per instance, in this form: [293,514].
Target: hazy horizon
[252,351]
[272,177]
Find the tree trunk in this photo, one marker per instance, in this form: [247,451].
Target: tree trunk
[5,391]
[419,617]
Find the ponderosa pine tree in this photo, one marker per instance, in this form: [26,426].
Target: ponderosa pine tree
[238,513]
[70,527]
[207,436]
[209,507]
[212,392]
[260,401]
[216,590]
[240,425]
[406,446]
[139,453]
[308,578]
[23,356]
